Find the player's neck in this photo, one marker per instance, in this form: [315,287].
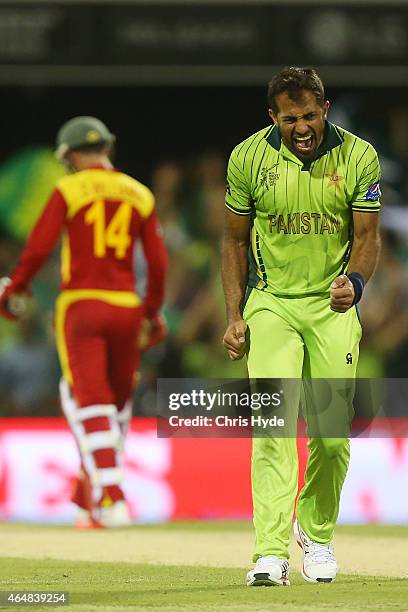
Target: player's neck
[92,161]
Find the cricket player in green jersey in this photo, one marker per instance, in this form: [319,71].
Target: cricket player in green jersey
[300,242]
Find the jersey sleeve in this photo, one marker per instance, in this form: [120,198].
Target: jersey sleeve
[238,197]
[40,242]
[157,263]
[366,196]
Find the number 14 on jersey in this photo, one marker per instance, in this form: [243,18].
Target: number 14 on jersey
[115,235]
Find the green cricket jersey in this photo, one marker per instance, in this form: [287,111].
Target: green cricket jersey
[301,212]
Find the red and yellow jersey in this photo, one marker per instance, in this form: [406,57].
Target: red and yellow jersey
[100,213]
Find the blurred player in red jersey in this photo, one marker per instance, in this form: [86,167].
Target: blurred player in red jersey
[101,324]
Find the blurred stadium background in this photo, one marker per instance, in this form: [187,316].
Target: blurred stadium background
[180,83]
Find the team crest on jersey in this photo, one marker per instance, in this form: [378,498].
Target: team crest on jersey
[269,176]
[373,192]
[334,178]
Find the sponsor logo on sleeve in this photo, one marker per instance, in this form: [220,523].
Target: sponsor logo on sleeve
[373,193]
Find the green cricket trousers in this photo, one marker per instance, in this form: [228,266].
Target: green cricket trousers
[294,338]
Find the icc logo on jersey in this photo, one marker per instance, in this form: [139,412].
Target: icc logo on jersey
[269,176]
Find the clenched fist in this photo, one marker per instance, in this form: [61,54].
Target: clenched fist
[234,339]
[341,294]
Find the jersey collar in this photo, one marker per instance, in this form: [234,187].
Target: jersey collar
[331,139]
[102,167]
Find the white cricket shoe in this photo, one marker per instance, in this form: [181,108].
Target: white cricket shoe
[319,562]
[269,571]
[116,515]
[83,519]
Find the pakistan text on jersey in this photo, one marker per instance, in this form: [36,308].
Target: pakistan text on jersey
[304,223]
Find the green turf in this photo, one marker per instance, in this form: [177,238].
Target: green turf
[391,531]
[124,586]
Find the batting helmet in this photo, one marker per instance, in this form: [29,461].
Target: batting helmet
[81,132]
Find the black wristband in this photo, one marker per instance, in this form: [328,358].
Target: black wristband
[358,283]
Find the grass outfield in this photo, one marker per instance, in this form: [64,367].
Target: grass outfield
[95,585]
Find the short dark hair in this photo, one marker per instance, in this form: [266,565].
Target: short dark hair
[293,80]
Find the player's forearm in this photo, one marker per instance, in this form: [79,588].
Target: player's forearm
[157,265]
[156,282]
[40,243]
[364,254]
[29,264]
[234,275]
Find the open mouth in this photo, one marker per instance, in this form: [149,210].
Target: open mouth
[303,144]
